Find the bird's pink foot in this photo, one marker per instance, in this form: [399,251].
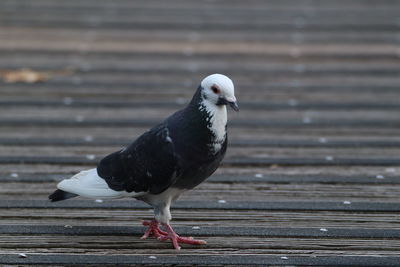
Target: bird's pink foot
[153,229]
[176,239]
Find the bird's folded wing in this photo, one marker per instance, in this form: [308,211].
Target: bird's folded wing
[150,164]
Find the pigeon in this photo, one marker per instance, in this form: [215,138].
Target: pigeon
[165,161]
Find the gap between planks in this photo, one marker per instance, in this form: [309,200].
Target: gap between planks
[321,142]
[231,205]
[236,162]
[224,178]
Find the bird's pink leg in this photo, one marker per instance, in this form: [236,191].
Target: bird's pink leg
[153,229]
[176,239]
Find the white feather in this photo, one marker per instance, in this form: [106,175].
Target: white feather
[218,119]
[223,82]
[89,184]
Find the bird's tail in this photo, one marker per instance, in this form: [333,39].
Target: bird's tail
[59,195]
[87,184]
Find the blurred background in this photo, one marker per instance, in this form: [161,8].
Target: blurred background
[305,71]
[317,83]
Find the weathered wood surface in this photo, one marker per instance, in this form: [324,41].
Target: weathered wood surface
[312,174]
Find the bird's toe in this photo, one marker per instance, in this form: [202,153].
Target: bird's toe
[153,229]
[190,240]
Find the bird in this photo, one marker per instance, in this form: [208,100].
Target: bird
[174,156]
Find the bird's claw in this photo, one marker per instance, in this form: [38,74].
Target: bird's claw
[179,239]
[162,236]
[176,239]
[152,230]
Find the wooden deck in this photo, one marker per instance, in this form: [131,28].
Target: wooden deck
[312,173]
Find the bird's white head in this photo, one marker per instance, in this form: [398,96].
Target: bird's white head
[219,90]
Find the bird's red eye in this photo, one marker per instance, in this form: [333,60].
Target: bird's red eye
[215,89]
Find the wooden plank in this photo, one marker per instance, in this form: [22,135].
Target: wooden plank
[98,142]
[242,20]
[234,178]
[84,122]
[358,4]
[236,156]
[201,218]
[152,114]
[228,192]
[62,115]
[40,245]
[335,56]
[237,162]
[206,260]
[220,47]
[98,132]
[80,103]
[234,205]
[168,68]
[369,171]
[76,85]
[201,24]
[321,37]
[203,231]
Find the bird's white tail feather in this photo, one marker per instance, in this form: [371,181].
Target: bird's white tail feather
[89,184]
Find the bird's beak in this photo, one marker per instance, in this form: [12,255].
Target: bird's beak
[231,101]
[233,105]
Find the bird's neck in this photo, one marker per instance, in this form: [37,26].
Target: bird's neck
[214,117]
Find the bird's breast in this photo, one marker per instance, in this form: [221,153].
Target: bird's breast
[217,126]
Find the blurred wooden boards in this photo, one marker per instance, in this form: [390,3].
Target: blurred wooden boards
[312,173]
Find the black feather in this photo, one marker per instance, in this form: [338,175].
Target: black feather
[149,164]
[174,153]
[59,195]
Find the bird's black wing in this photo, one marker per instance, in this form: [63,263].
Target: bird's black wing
[150,164]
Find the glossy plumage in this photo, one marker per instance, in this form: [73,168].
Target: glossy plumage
[170,158]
